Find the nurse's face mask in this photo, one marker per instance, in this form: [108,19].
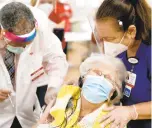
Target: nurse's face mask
[113,37]
[114,49]
[17,43]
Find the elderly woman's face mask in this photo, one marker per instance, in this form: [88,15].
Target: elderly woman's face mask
[96,89]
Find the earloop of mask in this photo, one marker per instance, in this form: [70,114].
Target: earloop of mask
[80,82]
[122,38]
[115,94]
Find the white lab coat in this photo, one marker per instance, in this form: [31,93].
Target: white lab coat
[46,47]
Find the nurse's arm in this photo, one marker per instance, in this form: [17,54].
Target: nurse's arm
[144,110]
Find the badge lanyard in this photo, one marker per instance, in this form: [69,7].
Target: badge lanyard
[131,79]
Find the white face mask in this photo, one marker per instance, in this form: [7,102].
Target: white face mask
[114,49]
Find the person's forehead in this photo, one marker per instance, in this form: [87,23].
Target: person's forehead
[107,27]
[105,68]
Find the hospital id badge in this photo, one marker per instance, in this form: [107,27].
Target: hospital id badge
[127,91]
[131,79]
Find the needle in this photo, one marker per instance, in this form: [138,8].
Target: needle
[11,100]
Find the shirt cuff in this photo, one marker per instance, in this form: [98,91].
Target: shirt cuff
[55,82]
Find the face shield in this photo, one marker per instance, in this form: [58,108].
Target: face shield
[99,43]
[17,43]
[10,37]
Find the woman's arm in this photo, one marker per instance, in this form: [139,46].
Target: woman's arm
[121,115]
[144,110]
[45,118]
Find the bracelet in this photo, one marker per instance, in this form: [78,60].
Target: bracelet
[136,113]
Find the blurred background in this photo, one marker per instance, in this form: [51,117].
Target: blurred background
[69,21]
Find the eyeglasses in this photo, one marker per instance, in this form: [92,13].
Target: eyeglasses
[107,76]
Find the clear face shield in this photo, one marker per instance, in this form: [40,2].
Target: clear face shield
[99,43]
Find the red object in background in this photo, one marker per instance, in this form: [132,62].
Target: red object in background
[63,12]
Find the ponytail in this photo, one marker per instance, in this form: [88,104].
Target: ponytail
[143,19]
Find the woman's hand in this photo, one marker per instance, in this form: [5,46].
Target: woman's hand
[118,116]
[45,118]
[35,126]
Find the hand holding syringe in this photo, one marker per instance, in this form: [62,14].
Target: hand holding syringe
[5,94]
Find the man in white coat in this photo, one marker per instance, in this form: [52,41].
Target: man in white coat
[30,55]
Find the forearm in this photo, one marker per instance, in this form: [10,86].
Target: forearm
[56,72]
[143,110]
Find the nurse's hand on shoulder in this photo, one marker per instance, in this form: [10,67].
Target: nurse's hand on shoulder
[118,116]
[4,94]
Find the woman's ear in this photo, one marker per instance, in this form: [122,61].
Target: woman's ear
[131,32]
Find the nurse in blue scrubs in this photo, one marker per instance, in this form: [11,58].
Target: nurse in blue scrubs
[123,27]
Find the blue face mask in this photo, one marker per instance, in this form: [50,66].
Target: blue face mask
[96,89]
[16,50]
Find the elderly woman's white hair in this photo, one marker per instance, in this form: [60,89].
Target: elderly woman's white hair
[96,60]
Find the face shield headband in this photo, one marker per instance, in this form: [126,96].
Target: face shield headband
[19,38]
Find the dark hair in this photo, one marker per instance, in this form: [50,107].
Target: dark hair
[130,12]
[80,82]
[13,13]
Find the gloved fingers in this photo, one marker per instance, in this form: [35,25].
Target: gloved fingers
[107,122]
[122,125]
[115,124]
[108,109]
[105,117]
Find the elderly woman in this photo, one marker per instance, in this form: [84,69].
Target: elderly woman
[81,106]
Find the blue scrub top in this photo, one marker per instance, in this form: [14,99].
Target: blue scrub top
[142,90]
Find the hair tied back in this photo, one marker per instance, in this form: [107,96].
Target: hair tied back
[133,2]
